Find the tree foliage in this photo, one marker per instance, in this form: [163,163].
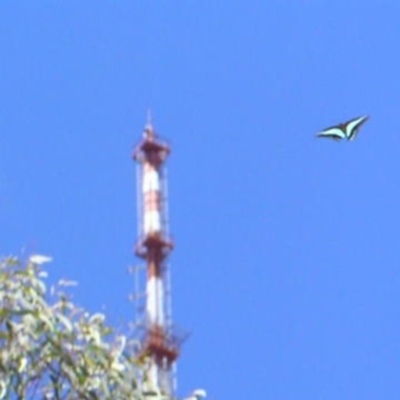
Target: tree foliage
[51,349]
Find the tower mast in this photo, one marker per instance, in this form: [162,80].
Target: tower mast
[159,344]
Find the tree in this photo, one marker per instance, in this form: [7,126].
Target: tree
[51,349]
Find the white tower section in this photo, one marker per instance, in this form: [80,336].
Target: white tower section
[152,199]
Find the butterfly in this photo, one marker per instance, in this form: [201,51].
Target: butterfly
[346,130]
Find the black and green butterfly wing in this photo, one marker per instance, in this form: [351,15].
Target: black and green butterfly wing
[333,132]
[353,126]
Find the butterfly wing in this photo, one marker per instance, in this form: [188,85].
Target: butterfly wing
[333,132]
[352,127]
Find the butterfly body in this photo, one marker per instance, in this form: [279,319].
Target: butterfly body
[346,130]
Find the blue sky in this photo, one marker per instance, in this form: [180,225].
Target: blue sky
[286,267]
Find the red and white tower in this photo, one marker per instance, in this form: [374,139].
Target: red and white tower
[159,344]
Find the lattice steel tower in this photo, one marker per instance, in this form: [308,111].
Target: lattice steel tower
[159,342]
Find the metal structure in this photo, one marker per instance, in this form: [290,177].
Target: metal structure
[159,343]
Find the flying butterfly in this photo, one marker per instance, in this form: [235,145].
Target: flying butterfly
[346,130]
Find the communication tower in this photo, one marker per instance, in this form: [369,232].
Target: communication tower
[160,343]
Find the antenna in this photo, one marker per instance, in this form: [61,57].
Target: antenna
[149,121]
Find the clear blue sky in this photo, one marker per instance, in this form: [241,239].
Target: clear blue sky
[287,265]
